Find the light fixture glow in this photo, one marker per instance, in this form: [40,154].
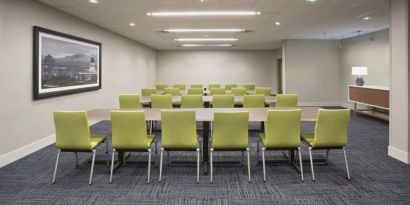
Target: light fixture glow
[131,24]
[93,1]
[311,1]
[206,13]
[205,39]
[227,30]
[277,23]
[206,45]
[366,18]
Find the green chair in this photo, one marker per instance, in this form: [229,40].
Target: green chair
[179,134]
[214,85]
[180,86]
[195,91]
[197,86]
[267,91]
[217,91]
[238,91]
[172,91]
[282,132]
[249,86]
[254,101]
[129,134]
[129,101]
[73,135]
[192,101]
[230,133]
[223,101]
[161,101]
[331,132]
[230,86]
[286,100]
[147,92]
[161,86]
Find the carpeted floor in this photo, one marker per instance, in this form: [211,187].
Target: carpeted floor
[376,178]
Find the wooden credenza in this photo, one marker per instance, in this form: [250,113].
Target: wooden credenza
[372,96]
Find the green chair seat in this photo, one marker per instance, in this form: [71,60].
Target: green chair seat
[96,140]
[309,138]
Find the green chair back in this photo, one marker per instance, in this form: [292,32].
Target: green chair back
[267,91]
[195,91]
[254,101]
[129,130]
[128,101]
[214,85]
[283,129]
[172,91]
[249,86]
[223,101]
[286,100]
[192,101]
[239,91]
[230,130]
[179,130]
[161,86]
[180,86]
[72,130]
[230,86]
[197,86]
[217,91]
[161,101]
[148,91]
[331,128]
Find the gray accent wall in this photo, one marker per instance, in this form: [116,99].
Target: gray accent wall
[127,66]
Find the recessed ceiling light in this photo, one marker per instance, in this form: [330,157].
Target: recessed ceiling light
[93,1]
[366,18]
[203,0]
[131,24]
[206,13]
[206,39]
[226,30]
[206,45]
[277,23]
[311,1]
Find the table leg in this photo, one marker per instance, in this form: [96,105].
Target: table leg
[205,141]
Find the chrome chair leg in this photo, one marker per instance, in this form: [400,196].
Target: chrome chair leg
[347,166]
[76,159]
[212,164]
[55,168]
[301,164]
[150,127]
[327,155]
[92,168]
[112,164]
[149,165]
[249,165]
[160,163]
[197,165]
[311,163]
[263,164]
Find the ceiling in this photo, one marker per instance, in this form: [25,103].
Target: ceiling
[323,19]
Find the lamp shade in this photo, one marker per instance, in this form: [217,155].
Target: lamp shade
[359,71]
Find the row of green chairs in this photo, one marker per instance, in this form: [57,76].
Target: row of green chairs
[181,86]
[229,133]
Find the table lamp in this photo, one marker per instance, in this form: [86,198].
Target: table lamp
[359,72]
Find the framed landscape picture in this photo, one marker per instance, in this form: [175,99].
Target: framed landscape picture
[64,64]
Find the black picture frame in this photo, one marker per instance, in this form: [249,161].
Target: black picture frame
[58,76]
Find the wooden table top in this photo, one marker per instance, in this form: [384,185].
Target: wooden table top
[206,98]
[309,114]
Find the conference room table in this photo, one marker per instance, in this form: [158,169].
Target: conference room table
[206,99]
[206,116]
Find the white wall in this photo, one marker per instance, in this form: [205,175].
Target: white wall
[371,50]
[313,71]
[217,66]
[126,67]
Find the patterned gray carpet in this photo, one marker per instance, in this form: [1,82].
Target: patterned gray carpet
[376,178]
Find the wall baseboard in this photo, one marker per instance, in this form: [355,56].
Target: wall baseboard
[21,152]
[399,154]
[320,104]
